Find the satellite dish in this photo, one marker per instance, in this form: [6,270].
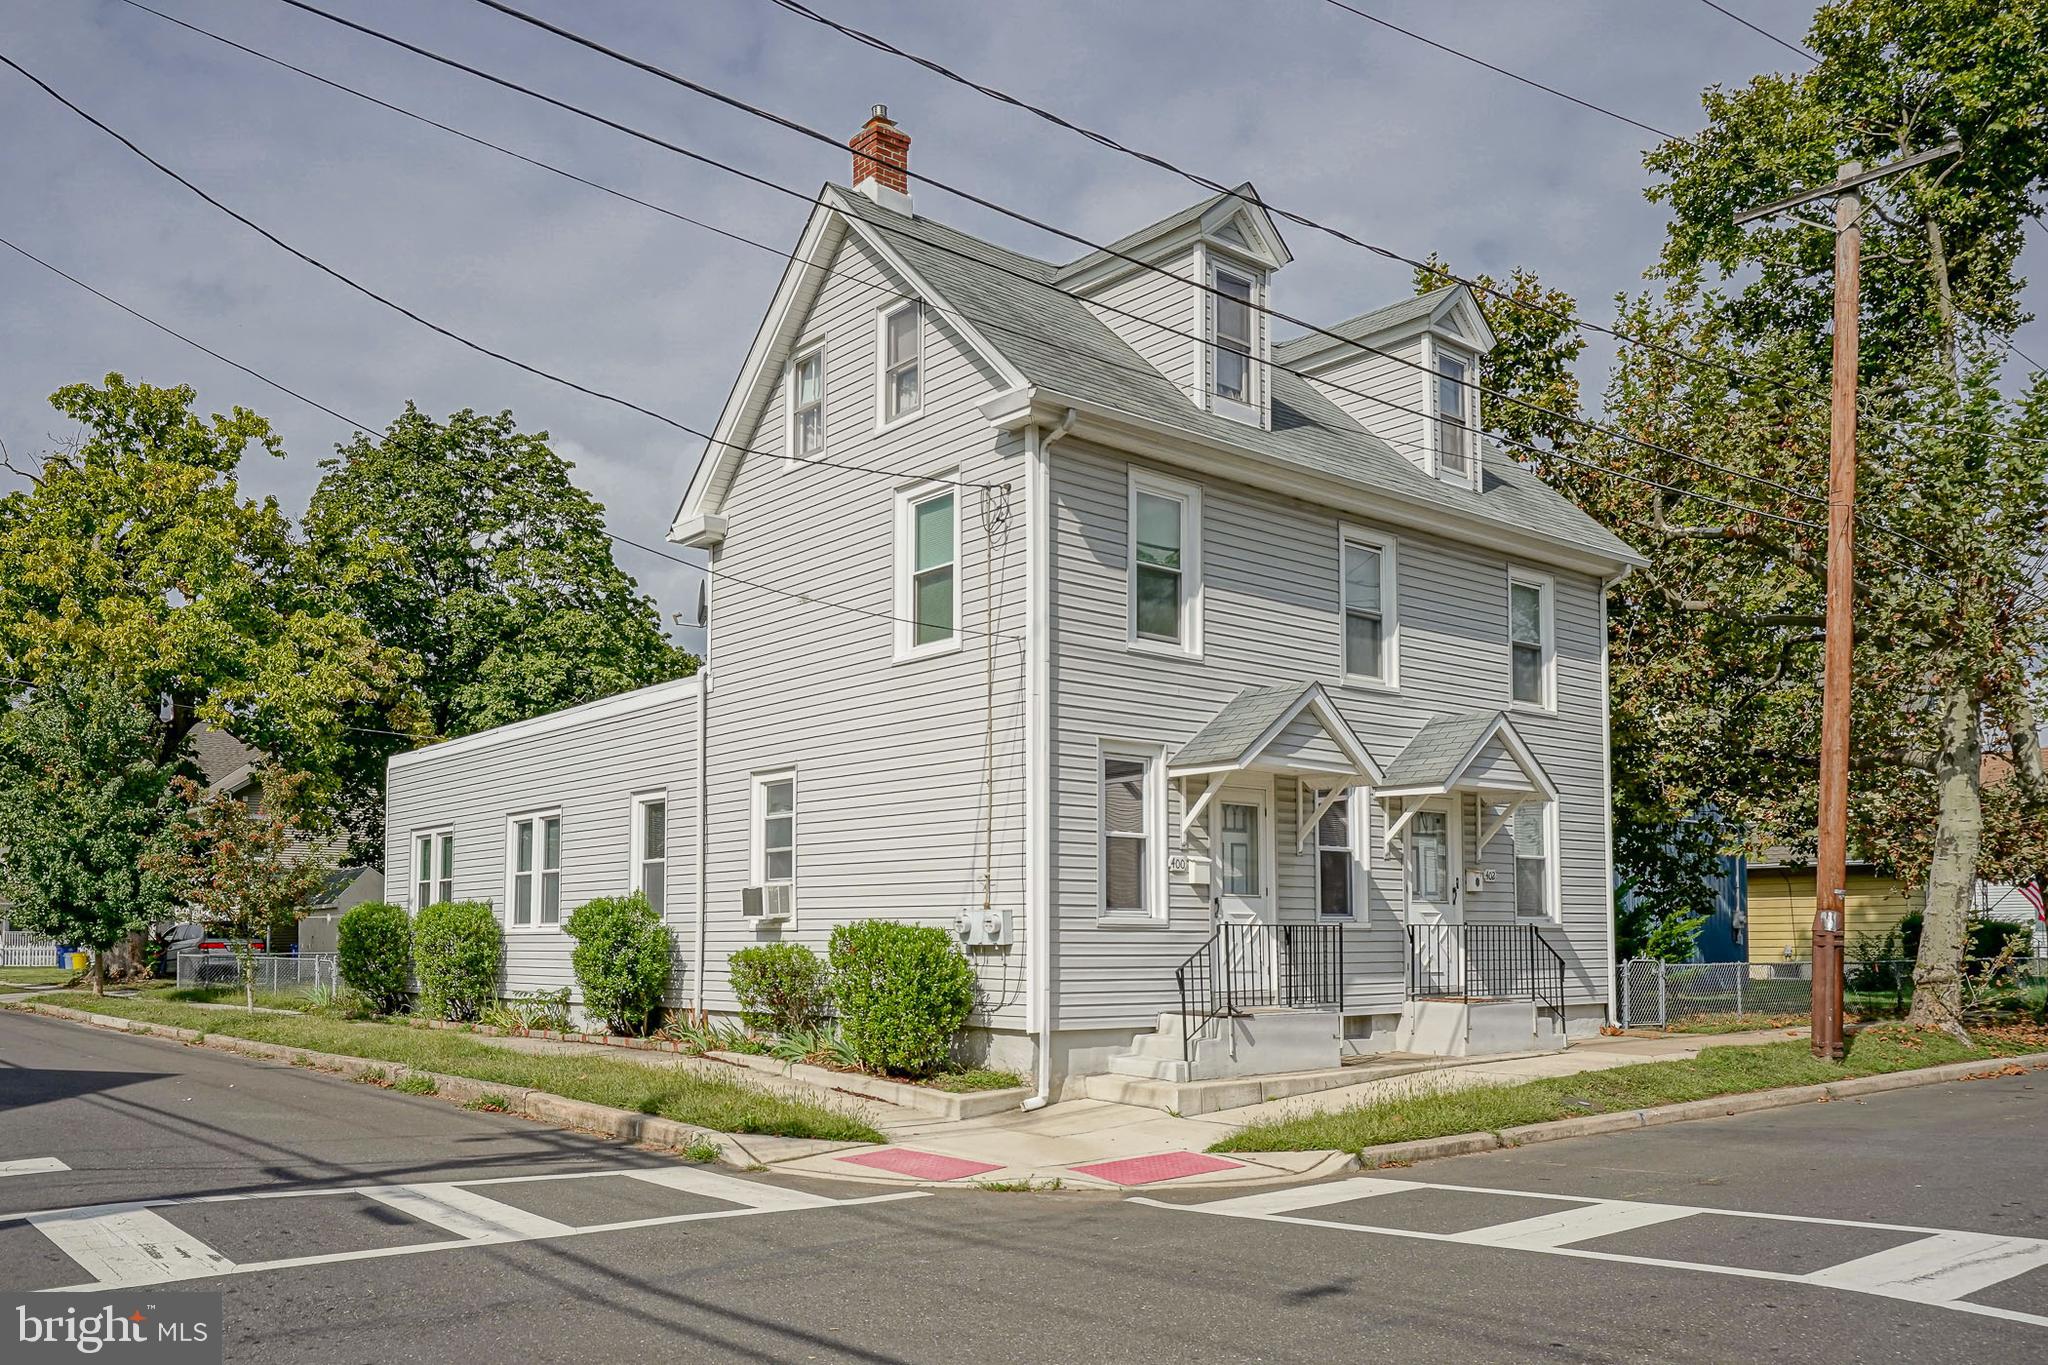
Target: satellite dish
[704,602]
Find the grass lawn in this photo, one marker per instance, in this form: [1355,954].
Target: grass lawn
[1716,1071]
[675,1093]
[35,976]
[230,995]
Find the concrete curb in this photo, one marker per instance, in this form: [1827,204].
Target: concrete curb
[945,1105]
[1591,1125]
[602,1119]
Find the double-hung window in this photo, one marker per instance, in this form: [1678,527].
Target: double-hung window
[536,871]
[1453,426]
[902,361]
[774,828]
[1369,620]
[1333,849]
[650,849]
[1165,563]
[1529,640]
[433,861]
[1132,822]
[1231,376]
[807,402]
[1532,859]
[927,571]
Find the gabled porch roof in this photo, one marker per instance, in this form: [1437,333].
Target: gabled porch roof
[1478,752]
[1276,729]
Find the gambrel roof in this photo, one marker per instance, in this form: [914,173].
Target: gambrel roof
[1009,308]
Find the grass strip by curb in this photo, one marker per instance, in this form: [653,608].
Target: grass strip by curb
[1481,1117]
[685,1097]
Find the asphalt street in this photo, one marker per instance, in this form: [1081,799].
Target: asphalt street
[349,1224]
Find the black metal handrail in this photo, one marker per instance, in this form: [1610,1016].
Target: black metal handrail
[1486,962]
[1251,966]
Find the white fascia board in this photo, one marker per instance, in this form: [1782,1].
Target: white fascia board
[800,281]
[1246,204]
[1171,445]
[605,708]
[1313,698]
[1472,330]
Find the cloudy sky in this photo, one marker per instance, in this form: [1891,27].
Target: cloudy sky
[1328,114]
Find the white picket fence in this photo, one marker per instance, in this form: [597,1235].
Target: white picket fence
[28,954]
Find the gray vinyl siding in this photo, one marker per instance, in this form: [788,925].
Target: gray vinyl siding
[1272,617]
[1158,317]
[589,770]
[1383,395]
[891,777]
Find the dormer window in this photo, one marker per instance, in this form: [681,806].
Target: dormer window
[1233,365]
[1453,424]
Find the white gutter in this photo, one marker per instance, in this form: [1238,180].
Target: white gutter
[1037,758]
[703,796]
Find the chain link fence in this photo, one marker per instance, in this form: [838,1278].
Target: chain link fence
[1659,994]
[274,971]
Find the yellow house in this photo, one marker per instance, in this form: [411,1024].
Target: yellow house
[1781,896]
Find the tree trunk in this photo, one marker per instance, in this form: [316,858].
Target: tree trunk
[99,972]
[1958,831]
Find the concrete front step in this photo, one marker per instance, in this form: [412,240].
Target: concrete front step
[1255,1043]
[1188,1098]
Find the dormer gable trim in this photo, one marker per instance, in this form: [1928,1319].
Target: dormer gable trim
[782,327]
[1453,317]
[1255,241]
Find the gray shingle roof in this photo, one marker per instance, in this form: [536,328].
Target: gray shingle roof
[1364,325]
[1057,343]
[1432,757]
[1243,719]
[1125,244]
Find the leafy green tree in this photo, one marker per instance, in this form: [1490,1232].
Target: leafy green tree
[466,546]
[244,869]
[83,802]
[1954,466]
[132,556]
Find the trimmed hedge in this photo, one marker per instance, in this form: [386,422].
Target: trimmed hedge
[782,987]
[904,991]
[621,960]
[456,947]
[373,952]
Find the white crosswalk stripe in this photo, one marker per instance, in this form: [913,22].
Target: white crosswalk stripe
[131,1246]
[33,1165]
[128,1244]
[1938,1267]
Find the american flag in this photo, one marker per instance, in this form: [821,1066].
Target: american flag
[2035,889]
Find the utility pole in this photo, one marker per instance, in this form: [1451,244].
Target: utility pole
[1832,852]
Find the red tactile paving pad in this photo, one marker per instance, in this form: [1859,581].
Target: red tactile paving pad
[1146,1170]
[922,1165]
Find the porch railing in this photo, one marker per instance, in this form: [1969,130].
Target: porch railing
[1251,966]
[1486,962]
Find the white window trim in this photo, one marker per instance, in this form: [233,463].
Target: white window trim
[757,815]
[1548,587]
[1190,498]
[636,869]
[512,822]
[1553,878]
[437,873]
[906,545]
[1470,394]
[1249,408]
[1156,885]
[883,421]
[1356,894]
[1390,607]
[790,450]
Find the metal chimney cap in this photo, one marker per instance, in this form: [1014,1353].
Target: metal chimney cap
[881,112]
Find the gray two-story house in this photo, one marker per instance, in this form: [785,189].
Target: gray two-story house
[1236,702]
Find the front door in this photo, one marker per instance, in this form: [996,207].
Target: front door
[1435,904]
[1241,835]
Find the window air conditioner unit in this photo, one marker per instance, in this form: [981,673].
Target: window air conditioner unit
[765,904]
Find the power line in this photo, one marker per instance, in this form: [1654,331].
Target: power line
[400,308]
[1794,48]
[744,580]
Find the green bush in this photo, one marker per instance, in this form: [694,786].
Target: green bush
[373,945]
[1987,937]
[455,950]
[621,960]
[784,987]
[903,990]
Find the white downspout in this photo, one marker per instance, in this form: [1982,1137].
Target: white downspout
[1607,808]
[1037,758]
[703,794]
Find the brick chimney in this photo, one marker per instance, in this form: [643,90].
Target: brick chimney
[881,160]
